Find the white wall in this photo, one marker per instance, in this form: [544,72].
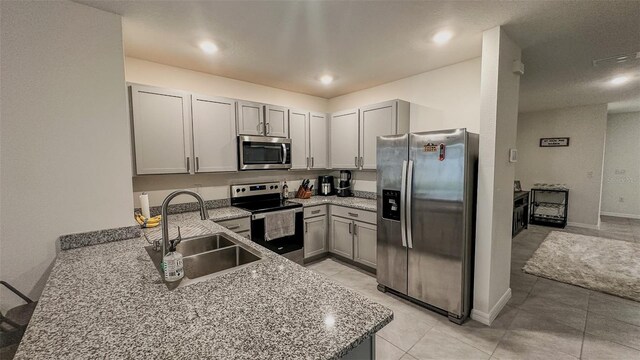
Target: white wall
[448,97]
[66,164]
[621,180]
[498,123]
[150,73]
[579,165]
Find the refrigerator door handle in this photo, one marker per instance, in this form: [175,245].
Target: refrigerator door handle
[409,190]
[403,193]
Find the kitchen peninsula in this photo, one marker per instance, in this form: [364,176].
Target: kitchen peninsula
[109,301]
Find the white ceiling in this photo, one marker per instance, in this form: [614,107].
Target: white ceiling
[288,45]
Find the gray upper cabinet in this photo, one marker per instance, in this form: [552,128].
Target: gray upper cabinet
[357,150]
[318,138]
[344,140]
[299,132]
[214,134]
[250,118]
[375,120]
[161,130]
[277,121]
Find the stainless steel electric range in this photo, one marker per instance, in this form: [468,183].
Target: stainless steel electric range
[265,198]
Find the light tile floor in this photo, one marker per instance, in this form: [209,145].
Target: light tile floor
[543,320]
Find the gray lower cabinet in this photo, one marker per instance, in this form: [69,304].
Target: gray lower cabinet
[315,236]
[353,239]
[341,237]
[241,226]
[364,243]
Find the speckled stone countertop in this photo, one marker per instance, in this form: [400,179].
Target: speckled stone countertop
[108,301]
[352,202]
[217,214]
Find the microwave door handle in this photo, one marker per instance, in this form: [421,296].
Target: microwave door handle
[284,154]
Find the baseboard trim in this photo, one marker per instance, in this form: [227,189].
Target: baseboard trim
[486,319]
[586,226]
[628,216]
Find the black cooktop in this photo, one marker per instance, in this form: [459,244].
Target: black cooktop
[267,205]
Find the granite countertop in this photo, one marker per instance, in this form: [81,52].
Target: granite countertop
[352,202]
[217,214]
[108,300]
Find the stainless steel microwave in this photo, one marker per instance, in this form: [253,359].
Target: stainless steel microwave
[263,152]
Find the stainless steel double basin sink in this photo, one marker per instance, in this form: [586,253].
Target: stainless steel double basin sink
[207,256]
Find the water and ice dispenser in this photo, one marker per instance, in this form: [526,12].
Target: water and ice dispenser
[391,204]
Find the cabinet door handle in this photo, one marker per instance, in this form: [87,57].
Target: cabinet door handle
[268,127]
[312,161]
[353,214]
[188,164]
[350,228]
[355,229]
[197,163]
[259,127]
[306,227]
[356,161]
[315,211]
[361,162]
[307,162]
[233,227]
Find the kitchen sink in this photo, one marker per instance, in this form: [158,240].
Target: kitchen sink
[215,261]
[207,256]
[201,244]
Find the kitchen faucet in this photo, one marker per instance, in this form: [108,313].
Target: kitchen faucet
[204,215]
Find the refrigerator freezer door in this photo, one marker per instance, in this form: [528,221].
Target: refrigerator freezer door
[435,261]
[391,154]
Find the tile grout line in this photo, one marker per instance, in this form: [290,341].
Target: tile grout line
[586,319]
[505,332]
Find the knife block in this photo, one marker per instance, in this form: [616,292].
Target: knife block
[303,194]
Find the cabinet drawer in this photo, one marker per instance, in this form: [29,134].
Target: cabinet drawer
[315,211]
[236,225]
[355,214]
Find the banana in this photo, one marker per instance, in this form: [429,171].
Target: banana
[148,223]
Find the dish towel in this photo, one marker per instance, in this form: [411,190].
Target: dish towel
[280,224]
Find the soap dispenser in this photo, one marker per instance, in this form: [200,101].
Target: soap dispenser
[172,261]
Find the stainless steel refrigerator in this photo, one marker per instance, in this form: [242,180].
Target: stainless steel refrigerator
[426,218]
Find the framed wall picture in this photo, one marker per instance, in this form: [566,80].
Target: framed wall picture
[554,142]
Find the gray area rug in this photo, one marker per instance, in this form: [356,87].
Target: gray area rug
[610,266]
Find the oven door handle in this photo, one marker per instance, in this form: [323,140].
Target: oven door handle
[262,215]
[284,154]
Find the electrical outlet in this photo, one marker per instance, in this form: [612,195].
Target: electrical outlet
[621,199]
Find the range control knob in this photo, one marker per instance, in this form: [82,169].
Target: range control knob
[243,189]
[276,186]
[237,190]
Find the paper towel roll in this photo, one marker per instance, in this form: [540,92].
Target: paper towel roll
[144,205]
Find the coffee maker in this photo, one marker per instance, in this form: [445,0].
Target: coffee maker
[325,185]
[344,186]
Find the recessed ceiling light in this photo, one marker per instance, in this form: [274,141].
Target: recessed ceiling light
[326,79]
[442,37]
[619,80]
[208,47]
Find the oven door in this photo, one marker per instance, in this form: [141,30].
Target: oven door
[261,152]
[281,245]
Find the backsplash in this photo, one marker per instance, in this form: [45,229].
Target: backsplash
[214,188]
